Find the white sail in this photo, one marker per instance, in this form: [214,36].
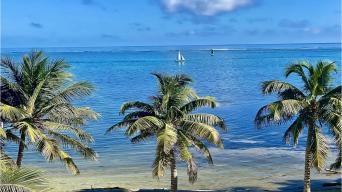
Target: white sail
[179,57]
[182,58]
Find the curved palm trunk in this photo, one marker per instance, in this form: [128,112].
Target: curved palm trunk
[21,149]
[174,178]
[308,160]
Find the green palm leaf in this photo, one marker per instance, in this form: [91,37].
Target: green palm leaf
[294,131]
[136,104]
[208,119]
[147,122]
[198,103]
[167,138]
[320,149]
[278,112]
[203,131]
[9,112]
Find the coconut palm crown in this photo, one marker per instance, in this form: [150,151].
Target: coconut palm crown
[169,119]
[315,107]
[36,104]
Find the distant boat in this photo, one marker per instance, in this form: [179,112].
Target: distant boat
[180,57]
[212,52]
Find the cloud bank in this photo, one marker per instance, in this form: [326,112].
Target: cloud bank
[206,7]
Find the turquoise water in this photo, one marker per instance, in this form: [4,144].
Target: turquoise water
[251,158]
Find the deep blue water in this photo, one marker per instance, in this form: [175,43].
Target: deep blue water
[233,75]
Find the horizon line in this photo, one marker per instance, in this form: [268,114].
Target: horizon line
[33,47]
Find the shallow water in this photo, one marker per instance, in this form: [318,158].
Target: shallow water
[251,158]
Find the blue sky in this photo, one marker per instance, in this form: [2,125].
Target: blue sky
[74,23]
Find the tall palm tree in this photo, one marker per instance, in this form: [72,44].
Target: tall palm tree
[36,103]
[315,107]
[169,119]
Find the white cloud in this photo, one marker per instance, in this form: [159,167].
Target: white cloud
[206,7]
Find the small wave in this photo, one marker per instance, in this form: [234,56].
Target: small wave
[247,141]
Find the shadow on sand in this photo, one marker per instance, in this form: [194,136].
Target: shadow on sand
[288,186]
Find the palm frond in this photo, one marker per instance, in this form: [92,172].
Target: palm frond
[167,138]
[2,133]
[294,131]
[121,124]
[335,92]
[136,104]
[13,188]
[321,77]
[278,112]
[72,92]
[208,119]
[147,122]
[298,68]
[59,127]
[11,113]
[198,145]
[143,136]
[33,98]
[283,89]
[72,143]
[27,179]
[136,115]
[12,68]
[198,103]
[203,131]
[31,130]
[48,148]
[319,149]
[160,163]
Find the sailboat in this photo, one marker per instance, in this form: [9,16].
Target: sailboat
[180,57]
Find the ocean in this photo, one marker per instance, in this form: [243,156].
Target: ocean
[253,159]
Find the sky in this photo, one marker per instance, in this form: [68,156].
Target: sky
[87,23]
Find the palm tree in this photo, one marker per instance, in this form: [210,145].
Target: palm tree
[315,107]
[169,119]
[20,179]
[36,103]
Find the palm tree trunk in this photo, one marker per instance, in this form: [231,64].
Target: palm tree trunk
[21,148]
[308,161]
[174,178]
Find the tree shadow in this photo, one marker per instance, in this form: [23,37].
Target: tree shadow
[324,185]
[316,185]
[109,189]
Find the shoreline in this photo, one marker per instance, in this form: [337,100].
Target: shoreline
[265,169]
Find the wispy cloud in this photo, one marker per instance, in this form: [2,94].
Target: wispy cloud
[93,3]
[141,27]
[206,7]
[258,20]
[206,31]
[301,26]
[36,25]
[287,23]
[255,32]
[109,36]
